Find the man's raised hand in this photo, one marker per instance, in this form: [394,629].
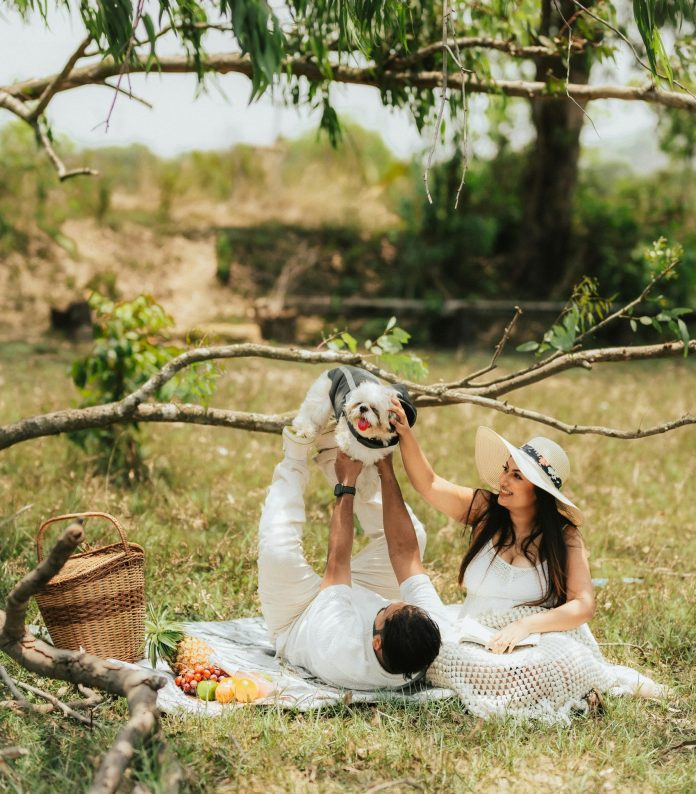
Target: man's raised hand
[385,465]
[347,469]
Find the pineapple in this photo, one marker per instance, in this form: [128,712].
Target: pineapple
[165,640]
[191,653]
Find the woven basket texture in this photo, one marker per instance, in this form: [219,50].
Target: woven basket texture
[97,600]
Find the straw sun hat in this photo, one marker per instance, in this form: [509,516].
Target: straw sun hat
[540,460]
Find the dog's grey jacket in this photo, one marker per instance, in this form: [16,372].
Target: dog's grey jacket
[345,379]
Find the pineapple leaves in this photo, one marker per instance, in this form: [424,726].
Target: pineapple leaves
[162,635]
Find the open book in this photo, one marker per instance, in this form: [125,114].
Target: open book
[470,630]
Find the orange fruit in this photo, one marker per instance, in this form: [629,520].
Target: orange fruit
[225,692]
[246,689]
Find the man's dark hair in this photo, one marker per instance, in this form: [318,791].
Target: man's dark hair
[410,641]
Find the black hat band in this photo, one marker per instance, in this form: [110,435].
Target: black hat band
[546,467]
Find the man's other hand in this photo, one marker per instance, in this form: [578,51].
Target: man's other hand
[385,465]
[347,469]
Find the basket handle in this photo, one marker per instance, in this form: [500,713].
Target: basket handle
[107,516]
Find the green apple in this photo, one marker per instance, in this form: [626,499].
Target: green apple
[206,689]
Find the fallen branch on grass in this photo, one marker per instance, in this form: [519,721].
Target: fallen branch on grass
[139,687]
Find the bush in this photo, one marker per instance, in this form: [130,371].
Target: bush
[128,350]
[469,252]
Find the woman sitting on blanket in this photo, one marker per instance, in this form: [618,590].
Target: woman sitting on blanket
[525,571]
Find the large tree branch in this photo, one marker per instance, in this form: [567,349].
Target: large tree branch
[225,63]
[138,686]
[133,408]
[508,46]
[581,358]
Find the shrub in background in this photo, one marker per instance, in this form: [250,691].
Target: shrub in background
[129,348]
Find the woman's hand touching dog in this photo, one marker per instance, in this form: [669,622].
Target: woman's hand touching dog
[400,422]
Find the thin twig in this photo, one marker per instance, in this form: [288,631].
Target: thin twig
[56,702]
[16,106]
[12,686]
[631,304]
[622,645]
[496,354]
[465,107]
[58,164]
[626,40]
[687,744]
[129,50]
[53,87]
[610,318]
[443,98]
[567,82]
[129,94]
[92,698]
[15,516]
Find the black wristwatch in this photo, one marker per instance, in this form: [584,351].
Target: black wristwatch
[339,490]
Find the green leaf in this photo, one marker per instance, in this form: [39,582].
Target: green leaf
[634,325]
[389,344]
[350,341]
[390,324]
[684,333]
[400,335]
[527,347]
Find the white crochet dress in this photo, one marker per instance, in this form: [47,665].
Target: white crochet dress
[547,681]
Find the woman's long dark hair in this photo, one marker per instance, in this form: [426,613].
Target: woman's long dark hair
[492,522]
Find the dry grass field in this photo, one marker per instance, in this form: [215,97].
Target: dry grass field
[197,517]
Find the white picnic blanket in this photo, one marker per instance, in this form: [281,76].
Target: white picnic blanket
[244,645]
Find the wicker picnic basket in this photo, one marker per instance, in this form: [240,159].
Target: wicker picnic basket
[97,600]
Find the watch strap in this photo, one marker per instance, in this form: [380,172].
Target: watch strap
[339,489]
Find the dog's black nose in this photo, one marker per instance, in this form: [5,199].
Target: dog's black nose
[364,409]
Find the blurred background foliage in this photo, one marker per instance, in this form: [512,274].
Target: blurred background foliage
[413,249]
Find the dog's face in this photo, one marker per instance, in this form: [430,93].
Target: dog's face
[368,408]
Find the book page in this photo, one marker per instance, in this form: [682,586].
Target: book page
[470,630]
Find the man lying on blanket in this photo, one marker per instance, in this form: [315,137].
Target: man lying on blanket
[371,621]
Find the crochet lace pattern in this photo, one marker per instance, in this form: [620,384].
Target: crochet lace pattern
[548,681]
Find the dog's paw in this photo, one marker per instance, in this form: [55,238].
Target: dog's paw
[305,430]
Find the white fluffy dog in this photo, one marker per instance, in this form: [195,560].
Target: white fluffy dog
[363,409]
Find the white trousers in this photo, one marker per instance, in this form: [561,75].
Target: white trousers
[287,582]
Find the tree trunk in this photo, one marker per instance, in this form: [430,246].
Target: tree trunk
[545,243]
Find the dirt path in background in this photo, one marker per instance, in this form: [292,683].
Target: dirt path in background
[178,270]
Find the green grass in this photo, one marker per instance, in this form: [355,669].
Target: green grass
[197,517]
